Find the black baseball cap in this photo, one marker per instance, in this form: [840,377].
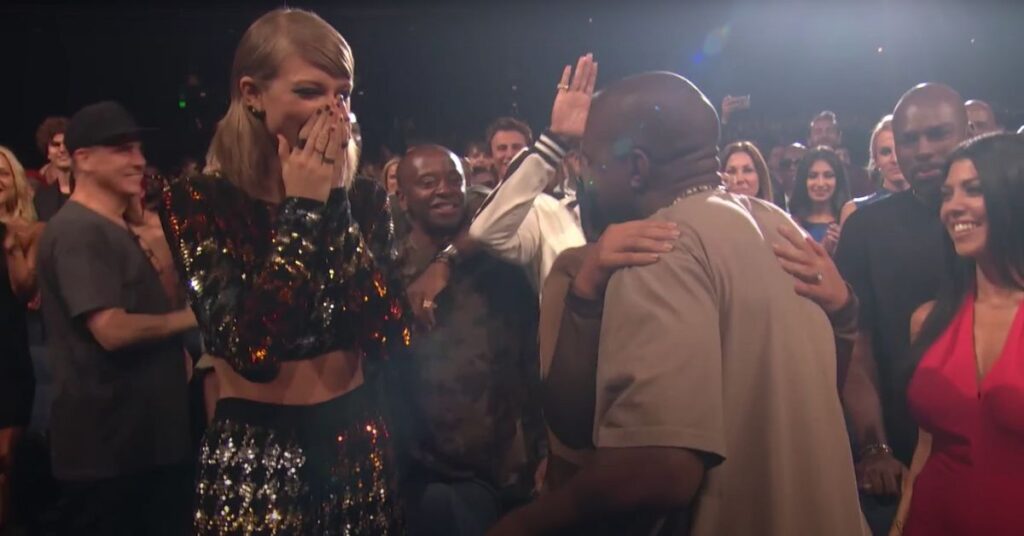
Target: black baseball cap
[103,123]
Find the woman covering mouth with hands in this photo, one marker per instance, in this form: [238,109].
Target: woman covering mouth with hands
[290,301]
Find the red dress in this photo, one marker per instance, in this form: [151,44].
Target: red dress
[973,481]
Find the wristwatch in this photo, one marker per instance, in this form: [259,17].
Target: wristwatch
[448,255]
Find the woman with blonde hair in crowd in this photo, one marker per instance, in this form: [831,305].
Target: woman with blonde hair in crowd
[283,276]
[883,169]
[389,175]
[746,171]
[19,235]
[18,214]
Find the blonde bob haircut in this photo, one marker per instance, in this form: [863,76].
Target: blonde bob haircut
[21,207]
[242,149]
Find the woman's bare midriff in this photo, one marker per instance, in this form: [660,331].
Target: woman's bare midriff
[298,383]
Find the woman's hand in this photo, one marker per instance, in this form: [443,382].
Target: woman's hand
[831,239]
[817,277]
[310,169]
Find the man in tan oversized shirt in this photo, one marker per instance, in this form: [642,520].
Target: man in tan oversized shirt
[716,404]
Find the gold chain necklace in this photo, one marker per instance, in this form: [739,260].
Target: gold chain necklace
[694,190]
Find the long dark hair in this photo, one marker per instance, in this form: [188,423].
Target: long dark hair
[999,159]
[764,179]
[800,203]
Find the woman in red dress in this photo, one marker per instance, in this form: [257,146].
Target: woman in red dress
[967,393]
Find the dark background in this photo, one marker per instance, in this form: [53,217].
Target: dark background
[442,71]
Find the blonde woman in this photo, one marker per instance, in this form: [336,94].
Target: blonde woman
[22,230]
[289,297]
[883,169]
[389,175]
[19,234]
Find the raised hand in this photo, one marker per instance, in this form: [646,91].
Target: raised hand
[572,102]
[314,166]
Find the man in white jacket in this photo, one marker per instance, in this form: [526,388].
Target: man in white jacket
[519,222]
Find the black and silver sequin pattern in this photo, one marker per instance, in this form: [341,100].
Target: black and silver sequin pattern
[255,480]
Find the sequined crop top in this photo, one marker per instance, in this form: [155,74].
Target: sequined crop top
[282,282]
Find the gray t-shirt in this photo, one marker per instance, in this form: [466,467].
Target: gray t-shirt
[113,412]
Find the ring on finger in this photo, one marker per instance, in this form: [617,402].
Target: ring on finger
[429,304]
[819,277]
[328,161]
[563,86]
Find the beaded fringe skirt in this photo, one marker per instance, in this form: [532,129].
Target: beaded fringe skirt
[325,469]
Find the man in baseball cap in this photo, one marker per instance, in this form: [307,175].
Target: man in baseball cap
[119,435]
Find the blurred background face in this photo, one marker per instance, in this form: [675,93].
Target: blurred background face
[7,192]
[963,209]
[824,132]
[741,175]
[980,119]
[57,154]
[299,89]
[391,178]
[504,145]
[478,158]
[791,157]
[821,182]
[885,160]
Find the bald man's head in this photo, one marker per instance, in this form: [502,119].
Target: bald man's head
[647,138]
[929,122]
[980,118]
[430,189]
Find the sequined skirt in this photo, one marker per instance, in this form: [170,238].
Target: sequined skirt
[324,469]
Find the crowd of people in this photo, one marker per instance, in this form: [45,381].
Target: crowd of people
[629,323]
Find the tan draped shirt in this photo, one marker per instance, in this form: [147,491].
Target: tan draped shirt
[710,349]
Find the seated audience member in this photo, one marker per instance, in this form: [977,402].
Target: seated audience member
[745,171]
[980,118]
[819,195]
[967,473]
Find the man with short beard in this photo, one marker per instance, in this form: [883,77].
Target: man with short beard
[891,254]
